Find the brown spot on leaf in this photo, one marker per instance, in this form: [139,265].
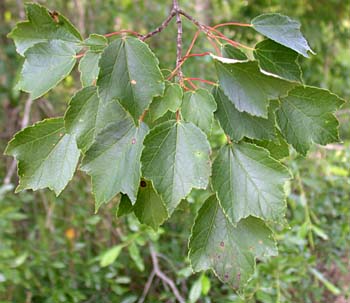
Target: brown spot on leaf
[143,183]
[222,244]
[54,15]
[226,276]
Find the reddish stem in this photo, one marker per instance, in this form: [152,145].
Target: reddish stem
[220,35]
[201,80]
[196,55]
[79,56]
[233,23]
[123,31]
[191,83]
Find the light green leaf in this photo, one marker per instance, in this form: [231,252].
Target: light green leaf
[279,60]
[239,124]
[249,182]
[306,116]
[171,101]
[198,107]
[42,26]
[229,251]
[48,63]
[110,255]
[129,72]
[113,160]
[149,207]
[88,68]
[247,87]
[195,291]
[96,43]
[87,115]
[176,159]
[282,30]
[229,51]
[135,255]
[206,284]
[47,156]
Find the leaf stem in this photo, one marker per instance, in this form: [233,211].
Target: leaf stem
[123,31]
[201,80]
[233,23]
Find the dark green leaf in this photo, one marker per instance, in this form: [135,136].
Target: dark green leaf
[247,87]
[176,159]
[278,148]
[306,116]
[125,206]
[239,124]
[249,183]
[283,30]
[113,160]
[47,156]
[279,60]
[129,72]
[229,51]
[149,207]
[229,251]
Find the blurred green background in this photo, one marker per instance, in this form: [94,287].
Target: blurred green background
[57,250]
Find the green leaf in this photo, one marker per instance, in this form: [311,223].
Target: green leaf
[135,255]
[42,26]
[129,72]
[110,255]
[247,87]
[125,206]
[195,291]
[306,116]
[229,251]
[279,60]
[239,124]
[171,101]
[282,30]
[87,115]
[198,107]
[229,51]
[96,43]
[278,148]
[176,159]
[88,68]
[249,182]
[149,207]
[45,66]
[113,160]
[47,156]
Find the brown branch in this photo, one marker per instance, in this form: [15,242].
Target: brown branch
[24,123]
[164,277]
[200,25]
[160,27]
[179,40]
[147,287]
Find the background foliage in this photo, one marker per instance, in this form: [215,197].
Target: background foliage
[57,250]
